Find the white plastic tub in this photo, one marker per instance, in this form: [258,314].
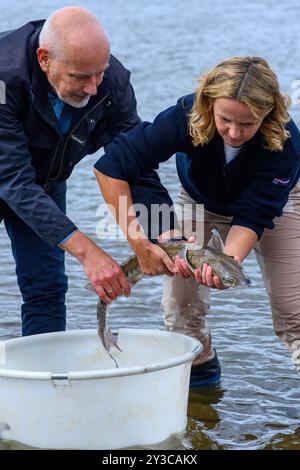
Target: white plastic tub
[62,391]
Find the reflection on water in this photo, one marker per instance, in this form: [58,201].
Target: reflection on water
[166,45]
[200,406]
[203,417]
[289,441]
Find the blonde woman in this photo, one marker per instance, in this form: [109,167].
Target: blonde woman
[238,155]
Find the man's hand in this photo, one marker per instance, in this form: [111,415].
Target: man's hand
[106,276]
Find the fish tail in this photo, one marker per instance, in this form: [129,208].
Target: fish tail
[115,361]
[110,340]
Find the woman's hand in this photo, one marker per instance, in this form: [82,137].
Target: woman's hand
[203,276]
[206,277]
[153,260]
[182,268]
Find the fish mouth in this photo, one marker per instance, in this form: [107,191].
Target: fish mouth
[246,283]
[243,284]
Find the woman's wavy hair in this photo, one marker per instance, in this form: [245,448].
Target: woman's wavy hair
[251,81]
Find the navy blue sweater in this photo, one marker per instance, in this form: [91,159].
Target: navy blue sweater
[253,188]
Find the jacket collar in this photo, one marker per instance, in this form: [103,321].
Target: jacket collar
[40,87]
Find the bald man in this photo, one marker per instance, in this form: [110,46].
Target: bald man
[66,97]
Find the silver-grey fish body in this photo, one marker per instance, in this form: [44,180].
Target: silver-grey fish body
[134,274]
[225,267]
[105,334]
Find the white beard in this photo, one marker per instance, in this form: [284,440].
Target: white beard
[75,104]
[70,101]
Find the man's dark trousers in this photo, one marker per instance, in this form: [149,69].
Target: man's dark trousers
[40,271]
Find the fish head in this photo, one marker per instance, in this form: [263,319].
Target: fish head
[224,266]
[229,271]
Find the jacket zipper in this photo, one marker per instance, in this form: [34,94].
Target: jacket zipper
[48,179]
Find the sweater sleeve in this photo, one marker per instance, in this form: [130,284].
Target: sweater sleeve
[265,196]
[17,179]
[132,155]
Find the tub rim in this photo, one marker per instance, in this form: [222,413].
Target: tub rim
[57,377]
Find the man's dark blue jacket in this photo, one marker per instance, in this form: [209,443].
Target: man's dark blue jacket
[33,151]
[253,187]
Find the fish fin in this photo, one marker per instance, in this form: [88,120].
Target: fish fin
[136,280]
[216,241]
[183,254]
[109,340]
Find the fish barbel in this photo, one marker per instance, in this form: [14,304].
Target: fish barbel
[224,266]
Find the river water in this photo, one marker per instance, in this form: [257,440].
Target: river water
[167,45]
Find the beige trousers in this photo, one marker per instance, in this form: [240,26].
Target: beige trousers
[186,303]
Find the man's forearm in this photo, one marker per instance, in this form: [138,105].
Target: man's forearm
[78,245]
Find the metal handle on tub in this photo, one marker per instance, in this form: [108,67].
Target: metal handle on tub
[60,380]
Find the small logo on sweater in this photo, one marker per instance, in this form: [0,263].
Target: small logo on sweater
[281,181]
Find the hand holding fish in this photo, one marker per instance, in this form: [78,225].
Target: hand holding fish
[227,268]
[182,268]
[153,260]
[105,275]
[217,269]
[206,276]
